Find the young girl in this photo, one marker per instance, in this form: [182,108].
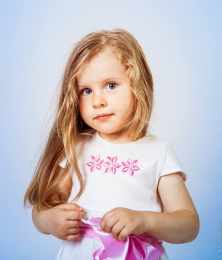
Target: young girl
[127,185]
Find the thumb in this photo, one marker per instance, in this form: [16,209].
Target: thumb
[71,206]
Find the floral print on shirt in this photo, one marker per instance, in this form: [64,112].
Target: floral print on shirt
[130,166]
[111,165]
[95,163]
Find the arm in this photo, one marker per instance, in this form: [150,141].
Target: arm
[39,218]
[61,221]
[180,223]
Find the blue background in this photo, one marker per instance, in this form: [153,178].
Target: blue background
[182,42]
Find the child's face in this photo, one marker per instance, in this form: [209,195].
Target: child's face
[104,89]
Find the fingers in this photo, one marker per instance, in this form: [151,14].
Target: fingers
[105,218]
[73,231]
[73,223]
[109,223]
[107,215]
[123,234]
[73,215]
[70,231]
[117,229]
[72,237]
[114,226]
[70,206]
[72,211]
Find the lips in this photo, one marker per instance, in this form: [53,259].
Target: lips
[103,115]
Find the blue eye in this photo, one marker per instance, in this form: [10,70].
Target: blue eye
[83,91]
[87,91]
[112,85]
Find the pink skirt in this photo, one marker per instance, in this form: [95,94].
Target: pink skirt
[83,248]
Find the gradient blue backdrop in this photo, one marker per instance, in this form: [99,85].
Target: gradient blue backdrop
[182,43]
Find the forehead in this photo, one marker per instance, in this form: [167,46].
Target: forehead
[102,66]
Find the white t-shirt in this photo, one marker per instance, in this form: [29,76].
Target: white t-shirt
[117,175]
[122,175]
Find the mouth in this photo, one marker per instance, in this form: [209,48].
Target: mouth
[103,117]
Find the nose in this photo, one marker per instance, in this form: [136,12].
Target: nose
[99,100]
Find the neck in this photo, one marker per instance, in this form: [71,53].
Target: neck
[117,138]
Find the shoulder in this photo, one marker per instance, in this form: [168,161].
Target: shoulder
[153,142]
[151,138]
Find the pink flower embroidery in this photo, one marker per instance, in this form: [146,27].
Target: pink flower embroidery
[130,166]
[111,164]
[95,163]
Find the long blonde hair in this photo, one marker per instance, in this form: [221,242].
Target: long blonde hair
[68,126]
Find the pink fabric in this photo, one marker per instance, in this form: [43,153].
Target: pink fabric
[143,247]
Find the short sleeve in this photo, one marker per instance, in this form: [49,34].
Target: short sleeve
[63,163]
[171,163]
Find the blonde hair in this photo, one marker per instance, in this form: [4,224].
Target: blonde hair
[68,126]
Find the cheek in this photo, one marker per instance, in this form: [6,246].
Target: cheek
[126,105]
[83,104]
[83,109]
[122,98]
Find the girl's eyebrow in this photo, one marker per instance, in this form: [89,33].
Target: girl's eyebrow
[103,81]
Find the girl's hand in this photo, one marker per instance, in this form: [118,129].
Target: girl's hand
[121,222]
[63,221]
